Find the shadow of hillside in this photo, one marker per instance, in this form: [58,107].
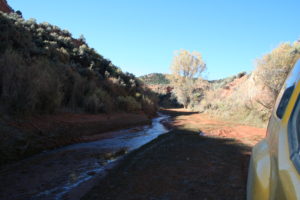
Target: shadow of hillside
[179,165]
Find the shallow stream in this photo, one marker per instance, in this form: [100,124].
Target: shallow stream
[69,172]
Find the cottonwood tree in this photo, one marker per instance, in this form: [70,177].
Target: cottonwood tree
[186,68]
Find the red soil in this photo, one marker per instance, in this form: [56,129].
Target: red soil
[211,126]
[27,136]
[4,7]
[183,164]
[48,122]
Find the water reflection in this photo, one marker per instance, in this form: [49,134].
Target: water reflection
[108,151]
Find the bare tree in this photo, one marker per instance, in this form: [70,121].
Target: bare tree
[186,68]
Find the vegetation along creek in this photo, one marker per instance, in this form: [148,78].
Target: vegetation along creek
[149,100]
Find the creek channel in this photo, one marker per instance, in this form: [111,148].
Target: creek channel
[71,171]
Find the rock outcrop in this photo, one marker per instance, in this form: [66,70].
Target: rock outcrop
[4,7]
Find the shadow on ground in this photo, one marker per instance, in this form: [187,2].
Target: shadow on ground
[179,165]
[175,113]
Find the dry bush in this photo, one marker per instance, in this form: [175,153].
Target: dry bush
[98,101]
[93,104]
[115,86]
[274,67]
[106,100]
[252,100]
[149,105]
[74,88]
[52,70]
[28,88]
[128,103]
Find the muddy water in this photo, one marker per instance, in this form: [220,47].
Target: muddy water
[69,172]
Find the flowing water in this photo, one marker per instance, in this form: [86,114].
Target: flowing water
[69,172]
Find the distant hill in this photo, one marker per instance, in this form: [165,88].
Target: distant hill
[221,83]
[155,79]
[162,79]
[160,84]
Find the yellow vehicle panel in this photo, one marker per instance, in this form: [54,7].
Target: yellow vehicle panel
[272,173]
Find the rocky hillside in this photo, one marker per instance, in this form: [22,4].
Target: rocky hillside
[160,84]
[56,89]
[155,79]
[157,82]
[242,96]
[4,7]
[250,98]
[50,70]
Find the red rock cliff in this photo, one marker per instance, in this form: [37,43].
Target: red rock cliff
[4,7]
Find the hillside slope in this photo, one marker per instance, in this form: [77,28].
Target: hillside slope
[155,79]
[239,98]
[50,70]
[54,89]
[250,98]
[4,7]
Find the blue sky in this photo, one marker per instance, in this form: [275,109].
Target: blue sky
[141,36]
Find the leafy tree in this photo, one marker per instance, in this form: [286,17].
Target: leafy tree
[186,68]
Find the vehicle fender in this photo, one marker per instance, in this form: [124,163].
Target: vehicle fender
[259,174]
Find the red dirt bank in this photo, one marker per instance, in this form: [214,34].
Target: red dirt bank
[24,137]
[4,7]
[211,126]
